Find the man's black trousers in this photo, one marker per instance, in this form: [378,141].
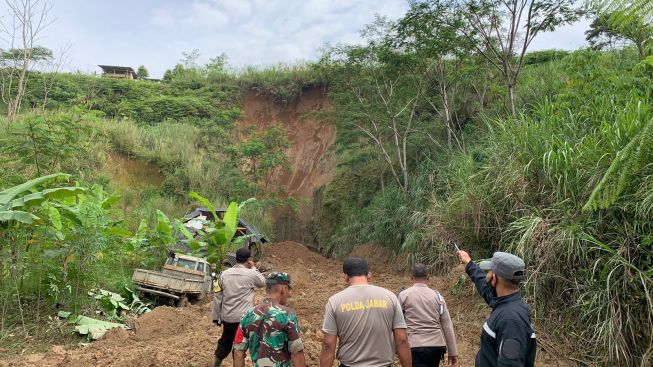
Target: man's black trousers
[226,341]
[428,356]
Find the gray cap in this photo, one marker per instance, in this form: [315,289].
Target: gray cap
[505,265]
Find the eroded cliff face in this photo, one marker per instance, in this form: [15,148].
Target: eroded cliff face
[311,162]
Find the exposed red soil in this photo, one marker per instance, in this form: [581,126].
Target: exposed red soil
[311,166]
[310,160]
[186,337]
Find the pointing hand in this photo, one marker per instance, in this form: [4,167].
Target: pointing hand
[464,257]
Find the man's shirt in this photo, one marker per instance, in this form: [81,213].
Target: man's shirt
[507,339]
[364,317]
[237,293]
[427,318]
[271,333]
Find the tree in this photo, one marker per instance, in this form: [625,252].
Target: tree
[604,31]
[27,19]
[217,64]
[430,31]
[378,91]
[51,69]
[262,153]
[189,59]
[142,72]
[504,29]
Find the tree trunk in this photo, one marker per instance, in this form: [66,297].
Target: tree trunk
[511,98]
[640,49]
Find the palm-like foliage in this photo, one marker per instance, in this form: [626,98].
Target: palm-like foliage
[624,11]
[629,161]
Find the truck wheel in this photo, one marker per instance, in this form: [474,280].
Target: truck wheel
[182,301]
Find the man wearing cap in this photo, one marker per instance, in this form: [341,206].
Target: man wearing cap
[234,298]
[507,338]
[271,330]
[430,330]
[366,320]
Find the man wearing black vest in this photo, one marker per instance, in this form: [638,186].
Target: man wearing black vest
[507,339]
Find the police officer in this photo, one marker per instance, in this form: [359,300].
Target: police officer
[430,329]
[365,321]
[234,298]
[271,330]
[507,338]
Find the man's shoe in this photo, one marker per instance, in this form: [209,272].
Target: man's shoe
[217,362]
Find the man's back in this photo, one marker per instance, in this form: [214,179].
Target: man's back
[271,333]
[427,318]
[237,285]
[363,317]
[508,338]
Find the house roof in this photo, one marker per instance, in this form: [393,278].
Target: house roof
[113,69]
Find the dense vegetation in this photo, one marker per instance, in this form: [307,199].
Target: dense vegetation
[429,154]
[437,142]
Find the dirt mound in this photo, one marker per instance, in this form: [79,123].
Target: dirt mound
[381,259]
[186,337]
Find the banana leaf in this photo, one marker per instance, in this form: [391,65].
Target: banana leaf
[19,216]
[6,196]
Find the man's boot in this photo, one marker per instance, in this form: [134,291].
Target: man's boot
[218,362]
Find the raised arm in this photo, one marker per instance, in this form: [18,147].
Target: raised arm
[477,276]
[257,278]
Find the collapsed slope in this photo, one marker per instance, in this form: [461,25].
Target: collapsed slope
[186,337]
[311,163]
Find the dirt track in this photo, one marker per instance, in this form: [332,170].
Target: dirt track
[186,337]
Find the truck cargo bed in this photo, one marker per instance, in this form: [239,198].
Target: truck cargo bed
[166,282]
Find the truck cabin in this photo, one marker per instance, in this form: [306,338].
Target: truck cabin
[188,265]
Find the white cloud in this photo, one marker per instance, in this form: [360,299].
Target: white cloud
[259,32]
[267,32]
[568,37]
[206,15]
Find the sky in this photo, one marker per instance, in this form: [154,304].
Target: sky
[154,33]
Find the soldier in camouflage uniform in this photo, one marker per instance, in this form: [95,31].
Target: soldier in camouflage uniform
[270,330]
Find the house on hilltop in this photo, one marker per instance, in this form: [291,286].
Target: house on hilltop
[124,72]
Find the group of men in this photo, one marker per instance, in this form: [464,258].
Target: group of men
[366,325]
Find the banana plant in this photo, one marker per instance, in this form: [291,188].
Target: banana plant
[16,201]
[217,237]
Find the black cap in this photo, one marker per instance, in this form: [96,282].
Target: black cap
[243,254]
[506,265]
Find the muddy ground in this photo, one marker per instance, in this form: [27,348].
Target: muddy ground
[187,337]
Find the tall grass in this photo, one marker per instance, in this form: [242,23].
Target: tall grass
[525,193]
[283,82]
[521,186]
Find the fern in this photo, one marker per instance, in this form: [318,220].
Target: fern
[624,11]
[629,161]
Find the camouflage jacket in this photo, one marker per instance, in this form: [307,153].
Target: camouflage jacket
[271,333]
